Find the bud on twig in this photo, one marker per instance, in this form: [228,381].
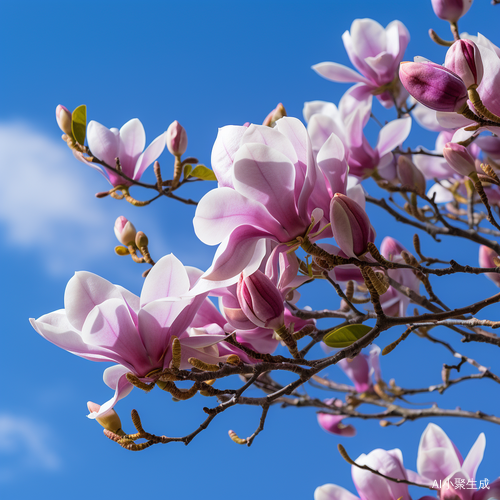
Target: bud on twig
[125,231]
[176,139]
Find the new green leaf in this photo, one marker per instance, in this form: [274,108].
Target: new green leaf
[79,124]
[202,172]
[345,336]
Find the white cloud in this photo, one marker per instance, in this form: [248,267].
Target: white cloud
[25,445]
[44,199]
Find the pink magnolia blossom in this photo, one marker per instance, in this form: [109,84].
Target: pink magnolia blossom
[375,52]
[439,460]
[361,368]
[368,485]
[348,122]
[126,144]
[105,322]
[271,188]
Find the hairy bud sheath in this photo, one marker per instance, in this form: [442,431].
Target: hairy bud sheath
[261,301]
[434,86]
[63,117]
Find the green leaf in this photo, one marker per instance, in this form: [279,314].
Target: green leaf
[202,172]
[345,336]
[187,171]
[79,123]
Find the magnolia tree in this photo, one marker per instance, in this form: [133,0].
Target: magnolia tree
[291,208]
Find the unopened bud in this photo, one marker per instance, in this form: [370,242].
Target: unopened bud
[141,240]
[125,231]
[350,225]
[464,59]
[459,159]
[410,175]
[176,139]
[434,86]
[261,301]
[451,10]
[109,420]
[63,117]
[277,113]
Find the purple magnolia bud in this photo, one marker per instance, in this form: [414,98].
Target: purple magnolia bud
[125,231]
[176,139]
[459,159]
[451,10]
[63,117]
[487,258]
[434,86]
[464,59]
[410,175]
[261,301]
[350,225]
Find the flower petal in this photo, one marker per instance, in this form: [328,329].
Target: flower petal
[153,151]
[338,73]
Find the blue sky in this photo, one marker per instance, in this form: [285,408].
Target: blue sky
[205,64]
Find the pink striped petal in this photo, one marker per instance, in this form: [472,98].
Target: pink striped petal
[338,73]
[225,147]
[103,143]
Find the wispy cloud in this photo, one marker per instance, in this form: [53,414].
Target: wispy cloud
[44,203]
[25,446]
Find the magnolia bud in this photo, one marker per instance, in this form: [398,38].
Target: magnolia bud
[63,117]
[261,301]
[350,225]
[176,139]
[125,231]
[109,420]
[487,259]
[434,86]
[410,175]
[459,159]
[451,10]
[277,113]
[464,59]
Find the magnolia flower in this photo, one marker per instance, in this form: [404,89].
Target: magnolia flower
[375,52]
[126,144]
[368,485]
[271,188]
[104,322]
[347,122]
[360,369]
[439,460]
